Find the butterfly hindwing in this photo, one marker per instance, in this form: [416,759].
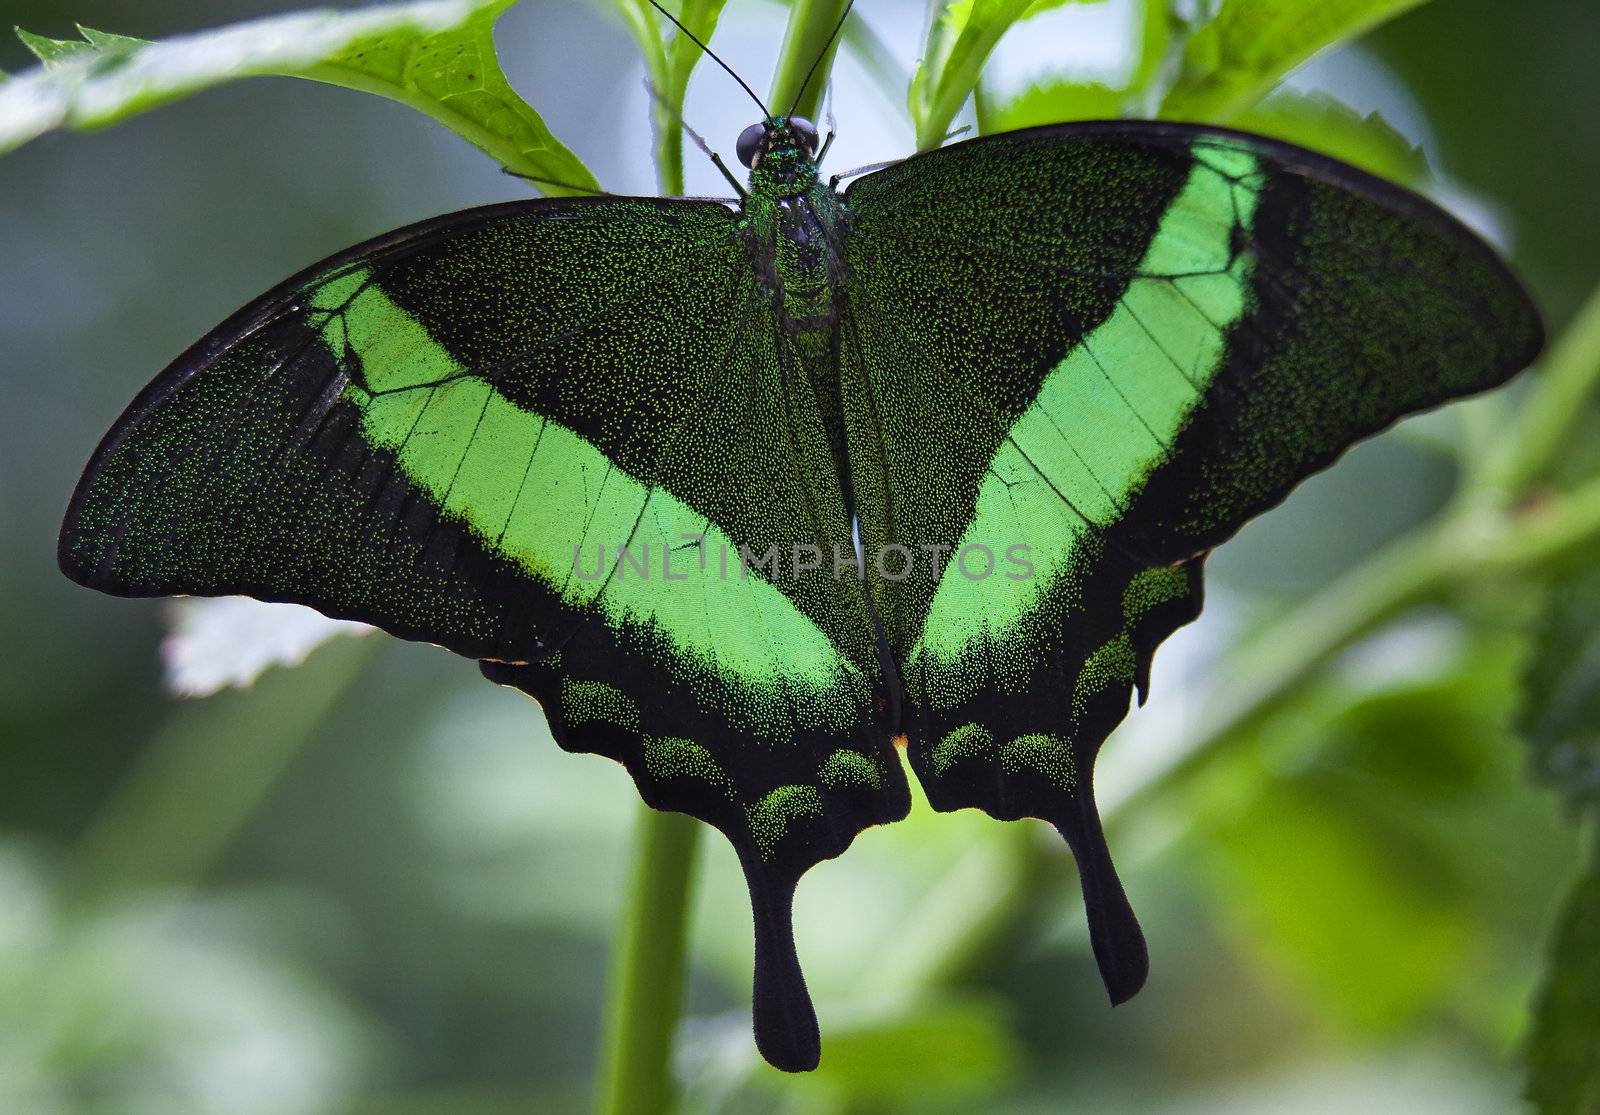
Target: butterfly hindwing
[1079,357]
[567,438]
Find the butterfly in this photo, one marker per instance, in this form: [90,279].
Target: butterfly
[749,497]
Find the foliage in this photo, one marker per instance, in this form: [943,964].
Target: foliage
[1561,714]
[1561,722]
[1235,58]
[1563,1067]
[670,57]
[436,56]
[1339,824]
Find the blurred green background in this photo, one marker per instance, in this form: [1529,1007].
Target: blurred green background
[373,885]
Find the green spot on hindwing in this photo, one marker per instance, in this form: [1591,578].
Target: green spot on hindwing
[1112,664]
[1045,754]
[970,741]
[848,768]
[684,758]
[587,701]
[769,818]
[1151,588]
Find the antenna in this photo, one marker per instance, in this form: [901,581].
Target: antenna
[837,27]
[661,103]
[709,53]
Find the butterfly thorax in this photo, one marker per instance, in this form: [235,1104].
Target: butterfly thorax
[792,224]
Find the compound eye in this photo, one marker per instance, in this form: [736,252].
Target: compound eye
[750,143]
[804,131]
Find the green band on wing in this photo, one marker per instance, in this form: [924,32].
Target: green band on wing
[1103,420]
[458,439]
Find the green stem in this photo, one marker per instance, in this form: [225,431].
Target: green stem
[648,968]
[810,25]
[669,154]
[1558,402]
[679,61]
[1551,536]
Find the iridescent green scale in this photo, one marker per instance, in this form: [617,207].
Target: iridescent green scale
[746,496]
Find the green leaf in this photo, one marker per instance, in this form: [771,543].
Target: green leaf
[961,35]
[1564,1048]
[1052,103]
[1155,36]
[1560,716]
[454,76]
[1047,5]
[106,41]
[1344,901]
[54,52]
[1063,99]
[1251,45]
[436,56]
[1326,863]
[1324,124]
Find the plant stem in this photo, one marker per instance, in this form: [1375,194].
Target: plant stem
[648,968]
[810,26]
[1558,402]
[1549,539]
[958,73]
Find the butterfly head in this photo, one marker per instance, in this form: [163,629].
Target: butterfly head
[784,147]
